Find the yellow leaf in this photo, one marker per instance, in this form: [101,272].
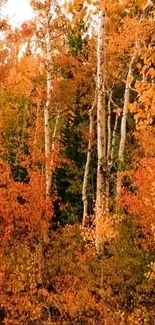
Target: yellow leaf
[139,65]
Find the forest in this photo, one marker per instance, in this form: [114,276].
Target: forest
[77,164]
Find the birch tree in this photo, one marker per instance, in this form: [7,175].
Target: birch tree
[88,165]
[123,128]
[111,143]
[48,103]
[101,127]
[47,11]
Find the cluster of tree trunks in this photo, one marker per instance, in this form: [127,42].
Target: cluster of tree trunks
[106,136]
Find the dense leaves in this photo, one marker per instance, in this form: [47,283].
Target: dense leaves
[50,271]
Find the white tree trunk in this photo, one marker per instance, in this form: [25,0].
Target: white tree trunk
[87,165]
[46,110]
[101,129]
[109,141]
[109,144]
[53,148]
[123,130]
[113,144]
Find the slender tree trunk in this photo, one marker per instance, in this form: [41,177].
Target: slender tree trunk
[87,166]
[55,132]
[109,144]
[113,144]
[101,129]
[46,110]
[123,131]
[109,131]
[53,147]
[36,126]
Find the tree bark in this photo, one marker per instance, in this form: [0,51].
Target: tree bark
[113,144]
[46,110]
[53,147]
[109,144]
[101,129]
[87,166]
[123,131]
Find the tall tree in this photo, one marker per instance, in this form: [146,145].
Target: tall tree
[47,12]
[101,126]
[85,186]
[48,100]
[123,128]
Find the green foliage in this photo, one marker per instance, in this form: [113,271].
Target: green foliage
[69,178]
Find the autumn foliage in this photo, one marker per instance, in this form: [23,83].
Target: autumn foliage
[51,272]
